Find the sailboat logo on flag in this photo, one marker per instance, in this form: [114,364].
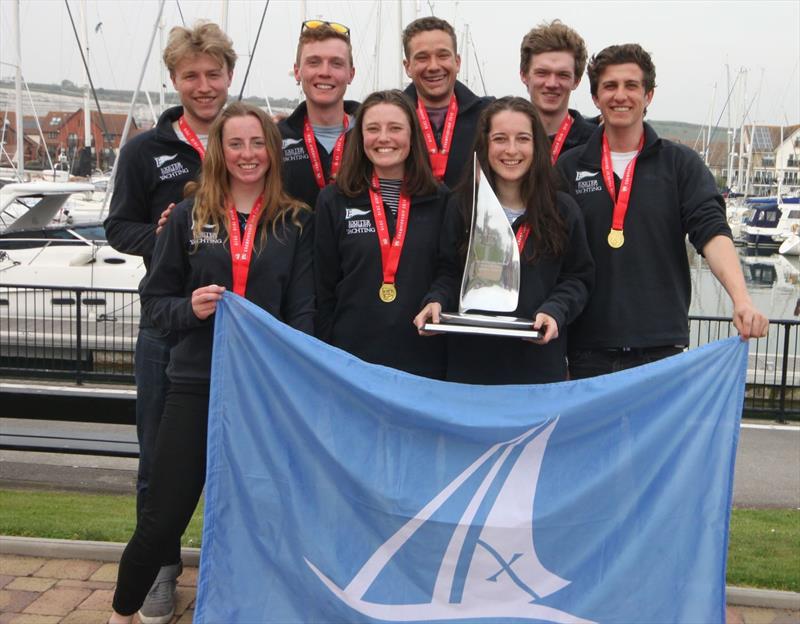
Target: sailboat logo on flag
[489,568]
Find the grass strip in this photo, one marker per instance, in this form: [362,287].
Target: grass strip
[764,548]
[69,515]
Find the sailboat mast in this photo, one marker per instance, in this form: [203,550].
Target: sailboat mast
[18,86]
[87,113]
[162,71]
[400,46]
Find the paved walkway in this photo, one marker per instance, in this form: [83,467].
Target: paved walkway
[41,590]
[37,590]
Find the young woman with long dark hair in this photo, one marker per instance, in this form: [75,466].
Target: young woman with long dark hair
[557,271]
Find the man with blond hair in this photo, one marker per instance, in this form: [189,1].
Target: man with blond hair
[552,62]
[152,171]
[448,111]
[314,135]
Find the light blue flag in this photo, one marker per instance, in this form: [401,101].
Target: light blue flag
[340,491]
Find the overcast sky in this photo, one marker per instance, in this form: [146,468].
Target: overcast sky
[691,42]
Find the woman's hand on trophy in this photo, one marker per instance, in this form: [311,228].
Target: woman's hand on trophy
[430,313]
[546,326]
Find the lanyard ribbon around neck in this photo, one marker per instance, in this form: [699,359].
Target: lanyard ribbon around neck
[616,238]
[438,156]
[391,249]
[242,246]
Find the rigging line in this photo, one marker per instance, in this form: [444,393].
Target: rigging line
[88,74]
[722,112]
[478,63]
[178,4]
[38,125]
[253,53]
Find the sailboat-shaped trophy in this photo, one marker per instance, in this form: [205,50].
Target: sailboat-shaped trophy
[490,283]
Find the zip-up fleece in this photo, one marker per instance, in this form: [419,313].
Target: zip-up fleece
[558,287]
[347,267]
[469,110]
[281,280]
[298,176]
[643,290]
[152,170]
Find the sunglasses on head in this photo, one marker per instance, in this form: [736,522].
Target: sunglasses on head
[314,24]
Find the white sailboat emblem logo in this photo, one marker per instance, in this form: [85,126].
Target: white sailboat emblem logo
[504,577]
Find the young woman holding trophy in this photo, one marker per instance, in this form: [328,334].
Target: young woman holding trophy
[377,238]
[556,268]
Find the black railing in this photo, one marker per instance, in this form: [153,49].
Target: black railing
[84,335]
[78,334]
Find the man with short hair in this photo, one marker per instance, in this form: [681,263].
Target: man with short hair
[152,172]
[314,135]
[448,111]
[552,61]
[640,196]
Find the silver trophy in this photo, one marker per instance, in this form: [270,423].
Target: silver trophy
[491,273]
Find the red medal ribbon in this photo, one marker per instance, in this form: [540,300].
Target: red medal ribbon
[522,235]
[242,247]
[620,201]
[313,153]
[560,137]
[438,156]
[390,251]
[191,137]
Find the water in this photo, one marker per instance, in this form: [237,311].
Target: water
[773,282]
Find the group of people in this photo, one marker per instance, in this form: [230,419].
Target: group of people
[350,222]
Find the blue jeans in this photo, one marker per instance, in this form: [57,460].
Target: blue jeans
[594,362]
[150,369]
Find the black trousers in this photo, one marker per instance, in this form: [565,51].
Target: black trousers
[591,363]
[176,482]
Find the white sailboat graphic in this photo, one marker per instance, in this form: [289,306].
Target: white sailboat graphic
[504,577]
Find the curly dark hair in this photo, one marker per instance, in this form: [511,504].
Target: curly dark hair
[619,55]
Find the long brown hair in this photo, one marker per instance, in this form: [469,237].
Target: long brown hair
[538,188]
[355,175]
[214,185]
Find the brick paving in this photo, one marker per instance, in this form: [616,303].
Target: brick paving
[34,590]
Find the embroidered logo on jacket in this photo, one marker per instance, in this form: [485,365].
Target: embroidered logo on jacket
[160,160]
[587,182]
[349,213]
[580,175]
[289,142]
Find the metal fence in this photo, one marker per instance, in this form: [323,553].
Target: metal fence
[68,333]
[89,335]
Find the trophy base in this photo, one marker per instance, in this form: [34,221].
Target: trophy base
[484,324]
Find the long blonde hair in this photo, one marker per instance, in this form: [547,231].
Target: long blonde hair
[214,185]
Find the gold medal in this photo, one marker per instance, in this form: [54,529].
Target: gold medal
[616,238]
[387,292]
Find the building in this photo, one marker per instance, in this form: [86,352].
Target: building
[105,143]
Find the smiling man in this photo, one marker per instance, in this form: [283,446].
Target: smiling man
[153,169]
[314,135]
[447,110]
[641,196]
[552,62]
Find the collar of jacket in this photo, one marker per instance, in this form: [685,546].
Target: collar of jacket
[164,130]
[592,153]
[363,198]
[466,99]
[295,120]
